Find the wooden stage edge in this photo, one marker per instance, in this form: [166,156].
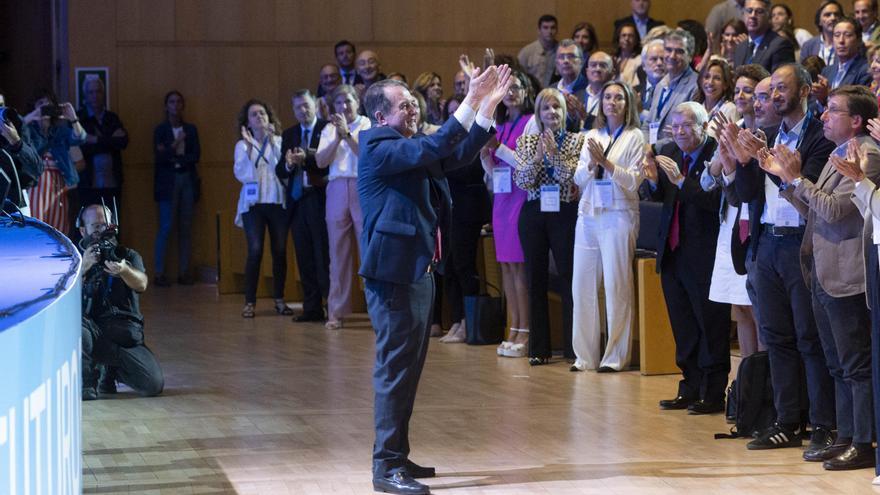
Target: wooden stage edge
[267,406]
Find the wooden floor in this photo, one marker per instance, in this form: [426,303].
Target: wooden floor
[265,406]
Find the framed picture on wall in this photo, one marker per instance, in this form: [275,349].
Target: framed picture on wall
[87,74]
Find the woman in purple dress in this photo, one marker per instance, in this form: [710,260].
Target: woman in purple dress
[513,119]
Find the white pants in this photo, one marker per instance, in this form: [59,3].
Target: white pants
[604,247]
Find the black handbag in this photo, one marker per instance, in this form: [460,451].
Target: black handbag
[485,318]
[738,248]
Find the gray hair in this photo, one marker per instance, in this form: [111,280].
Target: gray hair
[647,46]
[303,93]
[686,39]
[375,99]
[568,42]
[697,110]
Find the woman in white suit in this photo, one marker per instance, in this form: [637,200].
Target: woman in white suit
[608,173]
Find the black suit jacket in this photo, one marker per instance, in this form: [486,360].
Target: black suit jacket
[749,182]
[292,138]
[773,51]
[652,23]
[698,213]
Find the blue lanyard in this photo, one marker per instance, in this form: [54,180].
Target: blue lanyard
[800,138]
[613,138]
[665,95]
[262,149]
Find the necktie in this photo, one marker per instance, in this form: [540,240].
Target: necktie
[751,52]
[675,226]
[838,78]
[649,95]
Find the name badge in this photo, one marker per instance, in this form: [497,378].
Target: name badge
[550,198]
[653,132]
[603,193]
[876,224]
[501,180]
[251,192]
[785,215]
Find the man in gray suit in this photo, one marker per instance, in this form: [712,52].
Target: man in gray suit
[678,86]
[833,266]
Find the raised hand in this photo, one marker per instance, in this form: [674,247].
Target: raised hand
[248,137]
[649,165]
[718,122]
[789,161]
[466,65]
[488,58]
[726,158]
[874,128]
[853,165]
[482,83]
[597,154]
[575,106]
[502,85]
[820,89]
[549,142]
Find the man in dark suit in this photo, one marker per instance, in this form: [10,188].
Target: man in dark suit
[686,239]
[850,65]
[404,198]
[305,185]
[639,17]
[786,324]
[764,47]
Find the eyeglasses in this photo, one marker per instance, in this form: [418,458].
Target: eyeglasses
[567,56]
[515,89]
[838,110]
[751,11]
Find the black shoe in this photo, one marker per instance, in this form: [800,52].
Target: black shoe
[606,369]
[853,458]
[538,361]
[417,471]
[775,437]
[826,453]
[704,407]
[821,439]
[309,316]
[161,281]
[401,483]
[107,381]
[185,280]
[89,393]
[676,403]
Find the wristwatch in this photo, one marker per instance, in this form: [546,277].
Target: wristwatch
[796,182]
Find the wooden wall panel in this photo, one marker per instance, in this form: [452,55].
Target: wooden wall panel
[327,21]
[234,21]
[145,20]
[219,53]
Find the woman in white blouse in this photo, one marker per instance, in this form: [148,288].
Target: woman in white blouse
[715,91]
[338,149]
[609,174]
[261,201]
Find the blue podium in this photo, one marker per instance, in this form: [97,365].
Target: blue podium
[40,340]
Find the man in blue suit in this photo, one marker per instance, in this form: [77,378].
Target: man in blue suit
[405,201]
[764,47]
[850,66]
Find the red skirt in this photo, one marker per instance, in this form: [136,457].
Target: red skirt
[49,200]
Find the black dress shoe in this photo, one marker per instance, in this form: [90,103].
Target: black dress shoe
[820,439]
[829,452]
[676,403]
[853,458]
[401,483]
[310,316]
[606,369]
[705,407]
[417,471]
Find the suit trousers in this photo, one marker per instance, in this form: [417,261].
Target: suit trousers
[872,270]
[309,227]
[135,364]
[540,233]
[401,317]
[604,246]
[344,221]
[701,328]
[788,329]
[845,333]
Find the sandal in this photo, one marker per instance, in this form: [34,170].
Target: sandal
[248,311]
[281,308]
[333,324]
[516,351]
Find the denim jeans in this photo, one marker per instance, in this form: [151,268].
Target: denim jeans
[182,203]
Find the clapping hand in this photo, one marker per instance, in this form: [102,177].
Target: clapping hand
[649,165]
[853,165]
[820,89]
[502,85]
[576,107]
[726,158]
[874,128]
[488,58]
[548,143]
[338,121]
[748,143]
[296,156]
[482,83]
[248,137]
[9,133]
[597,156]
[670,168]
[466,65]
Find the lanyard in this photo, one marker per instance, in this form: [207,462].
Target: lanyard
[593,107]
[715,109]
[613,138]
[260,155]
[800,138]
[667,93]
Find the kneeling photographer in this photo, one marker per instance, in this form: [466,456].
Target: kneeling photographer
[112,325]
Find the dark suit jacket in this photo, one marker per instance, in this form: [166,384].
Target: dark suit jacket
[163,183]
[858,72]
[397,178]
[106,144]
[773,51]
[292,138]
[652,23]
[698,213]
[749,181]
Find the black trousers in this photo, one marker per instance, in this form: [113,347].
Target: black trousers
[788,329]
[540,233]
[256,220]
[400,314]
[309,228]
[872,270]
[460,272]
[701,328]
[119,343]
